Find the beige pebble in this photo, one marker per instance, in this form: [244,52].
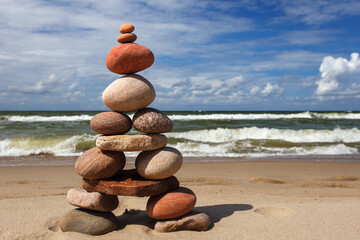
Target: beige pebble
[158,164]
[129,93]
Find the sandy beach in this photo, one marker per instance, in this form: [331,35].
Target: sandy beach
[245,200]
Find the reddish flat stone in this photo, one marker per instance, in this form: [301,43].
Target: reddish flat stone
[130,183]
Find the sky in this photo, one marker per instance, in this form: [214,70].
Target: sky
[209,55]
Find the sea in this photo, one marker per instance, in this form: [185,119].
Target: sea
[26,137]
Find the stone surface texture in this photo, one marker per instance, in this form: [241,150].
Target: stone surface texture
[151,120]
[88,222]
[92,200]
[97,164]
[129,93]
[159,164]
[127,28]
[129,58]
[130,183]
[193,221]
[126,38]
[110,123]
[172,204]
[131,142]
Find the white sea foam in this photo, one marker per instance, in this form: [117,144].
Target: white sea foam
[264,116]
[37,118]
[221,135]
[33,146]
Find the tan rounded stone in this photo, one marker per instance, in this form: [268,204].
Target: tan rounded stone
[98,164]
[110,123]
[93,201]
[126,38]
[129,143]
[172,204]
[159,164]
[129,58]
[193,221]
[127,28]
[129,93]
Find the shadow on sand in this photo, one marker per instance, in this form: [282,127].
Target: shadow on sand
[215,212]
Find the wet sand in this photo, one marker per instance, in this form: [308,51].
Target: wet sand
[245,200]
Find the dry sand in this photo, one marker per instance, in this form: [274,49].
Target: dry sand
[245,200]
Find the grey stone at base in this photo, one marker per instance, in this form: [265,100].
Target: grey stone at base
[193,221]
[88,222]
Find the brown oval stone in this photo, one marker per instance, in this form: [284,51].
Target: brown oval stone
[97,164]
[172,204]
[126,38]
[151,120]
[129,58]
[92,200]
[109,123]
[129,143]
[159,164]
[127,28]
[129,93]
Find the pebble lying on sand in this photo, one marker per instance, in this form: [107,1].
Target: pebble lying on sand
[94,201]
[88,222]
[97,164]
[129,143]
[129,93]
[151,120]
[172,204]
[159,164]
[109,123]
[193,221]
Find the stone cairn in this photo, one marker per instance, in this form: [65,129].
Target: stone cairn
[102,166]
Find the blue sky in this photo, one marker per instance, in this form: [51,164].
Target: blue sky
[209,55]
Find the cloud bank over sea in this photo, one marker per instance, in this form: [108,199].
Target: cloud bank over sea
[209,55]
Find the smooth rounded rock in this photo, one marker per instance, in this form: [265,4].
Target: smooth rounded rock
[151,120]
[129,58]
[88,222]
[193,221]
[129,143]
[93,201]
[97,164]
[172,204]
[158,164]
[129,93]
[111,123]
[126,38]
[127,28]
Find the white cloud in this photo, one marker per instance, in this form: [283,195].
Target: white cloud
[255,90]
[334,70]
[272,89]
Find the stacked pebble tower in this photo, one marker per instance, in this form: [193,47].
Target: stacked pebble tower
[102,166]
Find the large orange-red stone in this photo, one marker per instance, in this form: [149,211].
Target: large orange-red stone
[129,58]
[172,204]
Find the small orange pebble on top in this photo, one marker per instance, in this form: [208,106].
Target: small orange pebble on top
[127,28]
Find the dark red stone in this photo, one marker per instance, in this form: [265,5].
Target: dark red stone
[130,183]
